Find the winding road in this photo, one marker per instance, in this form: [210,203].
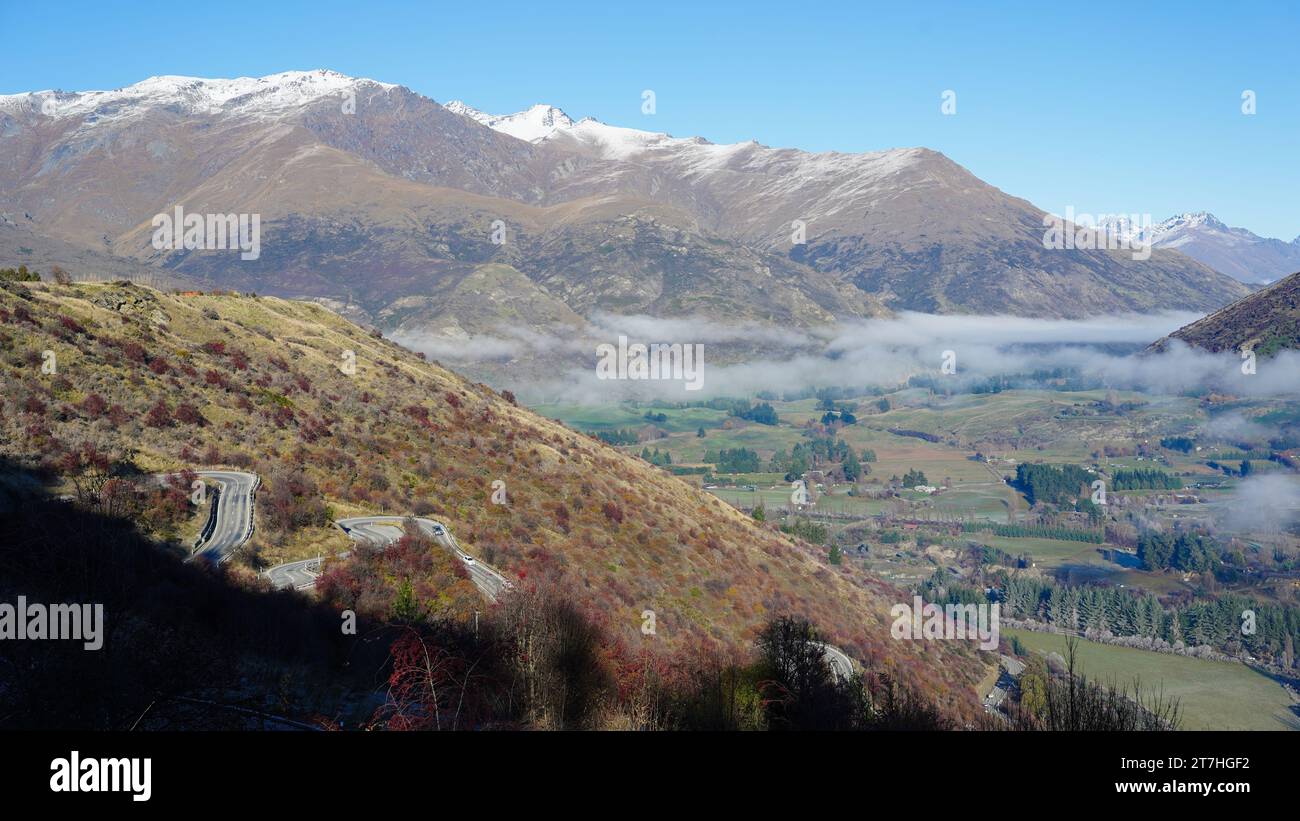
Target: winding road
[232,524]
[384,530]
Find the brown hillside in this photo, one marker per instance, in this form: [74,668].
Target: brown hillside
[1266,321]
[175,381]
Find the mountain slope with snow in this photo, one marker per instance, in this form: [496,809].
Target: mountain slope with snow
[533,125]
[371,194]
[1237,252]
[267,97]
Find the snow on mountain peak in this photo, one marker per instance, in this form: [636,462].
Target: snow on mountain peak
[531,125]
[853,173]
[264,97]
[545,122]
[1192,220]
[1169,233]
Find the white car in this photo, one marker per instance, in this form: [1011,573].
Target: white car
[467,559]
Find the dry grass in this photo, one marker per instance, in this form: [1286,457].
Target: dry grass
[402,435]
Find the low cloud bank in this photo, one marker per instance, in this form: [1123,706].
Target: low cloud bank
[745,358]
[1263,504]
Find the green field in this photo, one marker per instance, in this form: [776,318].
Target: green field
[1214,695]
[777,499]
[1046,553]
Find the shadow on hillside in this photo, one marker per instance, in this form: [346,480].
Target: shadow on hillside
[184,647]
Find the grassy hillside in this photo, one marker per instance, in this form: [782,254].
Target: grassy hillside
[167,382]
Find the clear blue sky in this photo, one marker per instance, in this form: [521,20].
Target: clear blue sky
[1130,108]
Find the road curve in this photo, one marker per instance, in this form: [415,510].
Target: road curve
[234,515]
[842,666]
[384,530]
[298,575]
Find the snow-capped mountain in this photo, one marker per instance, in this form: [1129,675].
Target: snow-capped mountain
[271,97]
[541,123]
[1165,233]
[533,125]
[385,202]
[746,181]
[1237,252]
[546,123]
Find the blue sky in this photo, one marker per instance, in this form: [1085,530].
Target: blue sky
[1128,108]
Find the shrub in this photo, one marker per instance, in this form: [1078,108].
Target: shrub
[159,416]
[190,415]
[135,352]
[94,406]
[293,501]
[70,324]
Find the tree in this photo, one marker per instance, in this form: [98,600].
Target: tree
[1155,550]
[19,274]
[762,413]
[700,433]
[405,608]
[1094,511]
[852,467]
[835,556]
[801,692]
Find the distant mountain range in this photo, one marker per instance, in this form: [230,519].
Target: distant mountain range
[385,205]
[1265,322]
[1240,254]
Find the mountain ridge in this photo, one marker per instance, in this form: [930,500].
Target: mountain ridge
[355,175]
[1237,252]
